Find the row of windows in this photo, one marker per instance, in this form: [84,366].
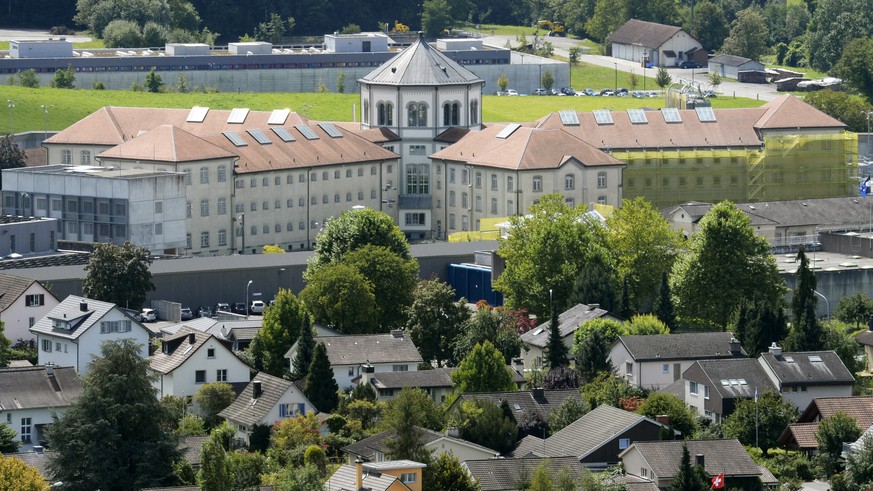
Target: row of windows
[416,113]
[158,67]
[313,177]
[680,161]
[206,237]
[84,157]
[200,376]
[682,181]
[69,205]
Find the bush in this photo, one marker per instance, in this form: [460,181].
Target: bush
[122,34]
[98,85]
[28,79]
[154,34]
[314,455]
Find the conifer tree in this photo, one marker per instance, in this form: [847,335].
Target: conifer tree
[321,388]
[626,311]
[689,478]
[664,307]
[807,334]
[305,350]
[556,351]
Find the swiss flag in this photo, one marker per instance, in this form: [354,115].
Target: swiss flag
[718,482]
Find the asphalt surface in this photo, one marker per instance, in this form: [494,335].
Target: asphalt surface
[36,34]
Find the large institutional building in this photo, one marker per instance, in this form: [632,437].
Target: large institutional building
[215,182]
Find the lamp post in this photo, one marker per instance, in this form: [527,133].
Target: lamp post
[247,298]
[45,110]
[827,304]
[242,219]
[11,105]
[616,78]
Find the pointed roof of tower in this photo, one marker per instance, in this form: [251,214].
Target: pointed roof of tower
[421,64]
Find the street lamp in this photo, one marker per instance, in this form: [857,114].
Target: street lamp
[45,110]
[247,298]
[827,304]
[616,77]
[11,105]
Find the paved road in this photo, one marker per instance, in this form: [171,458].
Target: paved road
[697,77]
[35,34]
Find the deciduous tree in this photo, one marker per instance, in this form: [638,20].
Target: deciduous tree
[710,25]
[321,388]
[213,398]
[484,370]
[64,79]
[484,423]
[282,322]
[435,320]
[774,414]
[855,66]
[153,81]
[566,413]
[119,409]
[835,23]
[340,297]
[11,155]
[859,465]
[748,36]
[17,475]
[856,309]
[646,324]
[832,432]
[545,251]
[435,17]
[496,325]
[849,109]
[725,257]
[393,279]
[448,475]
[681,418]
[118,274]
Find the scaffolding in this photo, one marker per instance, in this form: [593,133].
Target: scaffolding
[786,166]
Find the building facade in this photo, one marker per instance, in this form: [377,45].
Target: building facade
[24,300]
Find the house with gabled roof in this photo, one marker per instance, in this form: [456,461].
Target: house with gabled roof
[525,404]
[801,434]
[803,376]
[865,339]
[656,361]
[374,448]
[266,400]
[536,340]
[712,388]
[22,302]
[596,439]
[389,475]
[658,461]
[72,332]
[348,354]
[190,359]
[730,66]
[437,383]
[31,396]
[660,44]
[509,474]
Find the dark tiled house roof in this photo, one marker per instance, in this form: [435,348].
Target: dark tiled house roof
[736,378]
[808,368]
[378,443]
[523,402]
[247,409]
[438,377]
[800,436]
[568,322]
[33,387]
[591,431]
[177,349]
[37,460]
[373,348]
[11,288]
[646,34]
[505,474]
[420,64]
[80,312]
[726,456]
[683,346]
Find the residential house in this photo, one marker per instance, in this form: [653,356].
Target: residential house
[525,405]
[391,475]
[712,388]
[393,352]
[865,339]
[190,447]
[192,358]
[730,66]
[656,361]
[569,321]
[31,396]
[437,383]
[658,44]
[71,333]
[374,448]
[596,439]
[658,461]
[804,376]
[801,434]
[22,302]
[508,474]
[266,400]
[38,458]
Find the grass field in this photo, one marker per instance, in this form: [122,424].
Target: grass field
[95,44]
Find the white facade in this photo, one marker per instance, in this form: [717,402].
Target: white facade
[291,404]
[345,375]
[652,375]
[23,313]
[678,44]
[211,362]
[802,395]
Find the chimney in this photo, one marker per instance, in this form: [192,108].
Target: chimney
[518,362]
[49,369]
[397,333]
[453,431]
[735,347]
[359,474]
[256,389]
[538,392]
[38,449]
[165,347]
[664,419]
[775,350]
[699,460]
[192,338]
[83,306]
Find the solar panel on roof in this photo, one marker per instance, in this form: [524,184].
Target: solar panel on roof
[637,116]
[815,358]
[259,136]
[725,382]
[510,129]
[278,116]
[235,138]
[569,118]
[705,114]
[307,132]
[671,115]
[602,116]
[197,114]
[283,134]
[238,115]
[331,130]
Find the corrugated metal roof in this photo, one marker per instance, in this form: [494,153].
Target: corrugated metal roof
[421,64]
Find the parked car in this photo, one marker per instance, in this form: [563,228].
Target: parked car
[568,91]
[541,91]
[652,93]
[590,92]
[148,315]
[239,308]
[222,307]
[258,307]
[639,94]
[511,92]
[621,91]
[690,64]
[607,93]
[205,312]
[186,313]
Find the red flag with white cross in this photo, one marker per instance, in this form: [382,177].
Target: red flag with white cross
[718,482]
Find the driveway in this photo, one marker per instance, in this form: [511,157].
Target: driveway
[36,34]
[816,486]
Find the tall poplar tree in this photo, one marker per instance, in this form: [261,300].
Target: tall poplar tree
[664,306]
[806,333]
[556,351]
[305,350]
[321,388]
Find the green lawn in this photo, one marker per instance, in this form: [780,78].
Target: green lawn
[95,44]
[69,106]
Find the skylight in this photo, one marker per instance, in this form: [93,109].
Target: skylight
[569,117]
[235,138]
[510,129]
[637,116]
[197,114]
[602,116]
[278,116]
[671,115]
[331,130]
[705,114]
[259,136]
[815,358]
[282,133]
[307,132]
[238,115]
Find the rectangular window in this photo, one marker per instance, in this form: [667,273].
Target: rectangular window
[221,375]
[204,208]
[479,180]
[159,228]
[222,206]
[204,239]
[222,173]
[415,219]
[85,157]
[417,179]
[665,368]
[623,443]
[187,176]
[66,157]
[399,368]
[692,388]
[204,175]
[25,430]
[36,300]
[417,150]
[284,410]
[222,237]
[47,345]
[408,477]
[537,184]
[706,392]
[200,377]
[451,175]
